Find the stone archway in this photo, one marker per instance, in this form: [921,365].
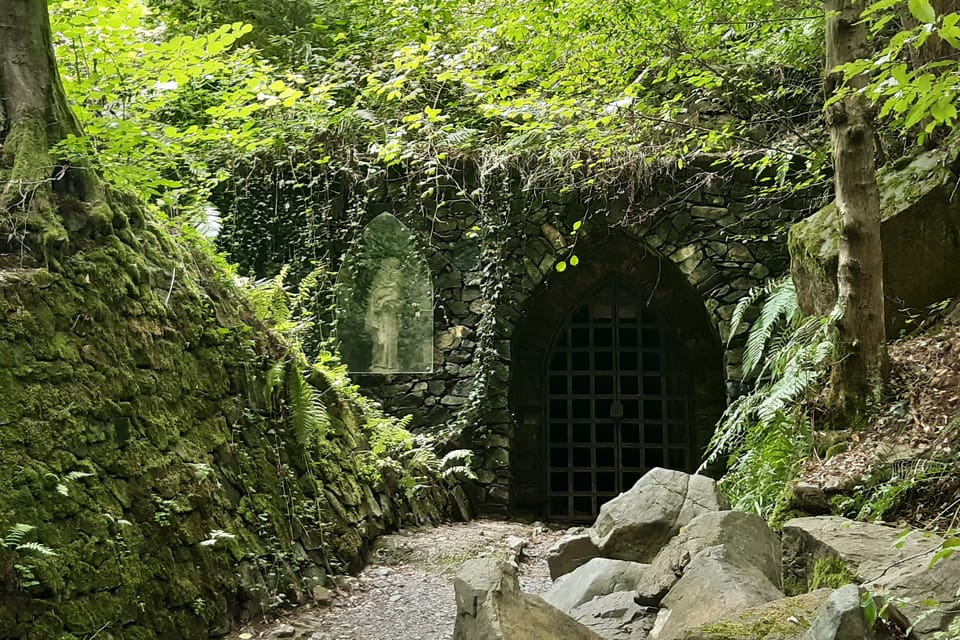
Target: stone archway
[616,369]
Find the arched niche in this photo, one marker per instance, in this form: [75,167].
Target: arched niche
[384,297]
[616,368]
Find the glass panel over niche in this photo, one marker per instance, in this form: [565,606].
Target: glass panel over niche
[385,302]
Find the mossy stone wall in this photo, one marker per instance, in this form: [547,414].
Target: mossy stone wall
[494,262]
[136,438]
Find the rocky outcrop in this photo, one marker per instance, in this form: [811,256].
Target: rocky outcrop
[490,606]
[599,577]
[636,524]
[570,552]
[719,576]
[920,234]
[897,567]
[742,534]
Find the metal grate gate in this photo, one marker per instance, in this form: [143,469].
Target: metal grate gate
[617,403]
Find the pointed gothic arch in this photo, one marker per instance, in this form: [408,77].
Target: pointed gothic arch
[616,369]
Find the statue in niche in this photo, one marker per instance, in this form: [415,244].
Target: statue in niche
[385,302]
[382,319]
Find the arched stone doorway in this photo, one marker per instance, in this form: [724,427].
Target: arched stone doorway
[616,370]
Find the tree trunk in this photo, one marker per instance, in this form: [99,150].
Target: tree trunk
[857,379]
[935,48]
[41,197]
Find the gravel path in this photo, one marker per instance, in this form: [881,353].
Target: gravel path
[406,591]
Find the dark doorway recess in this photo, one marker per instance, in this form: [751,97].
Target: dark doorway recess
[617,402]
[616,370]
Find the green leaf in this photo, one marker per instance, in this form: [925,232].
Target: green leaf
[574,260]
[561,266]
[922,10]
[869,606]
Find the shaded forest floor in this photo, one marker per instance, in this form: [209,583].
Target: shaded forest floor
[904,463]
[406,590]
[907,456]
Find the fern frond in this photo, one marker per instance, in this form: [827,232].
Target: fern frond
[457,457]
[743,305]
[274,379]
[211,222]
[17,533]
[308,414]
[35,548]
[780,305]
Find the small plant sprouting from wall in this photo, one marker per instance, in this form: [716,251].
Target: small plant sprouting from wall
[15,552]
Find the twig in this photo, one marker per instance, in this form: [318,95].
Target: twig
[173,277]
[919,554]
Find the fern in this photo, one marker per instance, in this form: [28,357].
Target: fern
[271,301]
[779,309]
[308,414]
[763,432]
[210,221]
[274,381]
[455,466]
[14,540]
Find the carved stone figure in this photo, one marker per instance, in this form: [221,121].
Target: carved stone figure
[382,319]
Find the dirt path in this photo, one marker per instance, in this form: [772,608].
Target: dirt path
[407,589]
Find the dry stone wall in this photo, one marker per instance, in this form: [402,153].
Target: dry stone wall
[138,441]
[495,267]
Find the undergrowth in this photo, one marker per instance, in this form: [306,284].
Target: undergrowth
[301,385]
[765,434]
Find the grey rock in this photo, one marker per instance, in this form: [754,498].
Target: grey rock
[783,619]
[879,557]
[744,534]
[638,523]
[616,616]
[598,577]
[284,631]
[841,618]
[570,552]
[715,584]
[490,606]
[918,209]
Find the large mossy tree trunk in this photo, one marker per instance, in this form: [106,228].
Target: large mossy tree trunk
[42,197]
[858,376]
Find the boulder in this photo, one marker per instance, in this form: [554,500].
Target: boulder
[841,618]
[881,558]
[744,534]
[918,209]
[599,577]
[716,584]
[638,523]
[616,616]
[490,606]
[569,553]
[783,619]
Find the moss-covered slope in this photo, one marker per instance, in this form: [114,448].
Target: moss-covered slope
[136,437]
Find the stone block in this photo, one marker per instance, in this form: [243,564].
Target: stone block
[920,234]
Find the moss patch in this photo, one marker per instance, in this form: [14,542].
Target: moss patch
[783,619]
[136,437]
[831,572]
